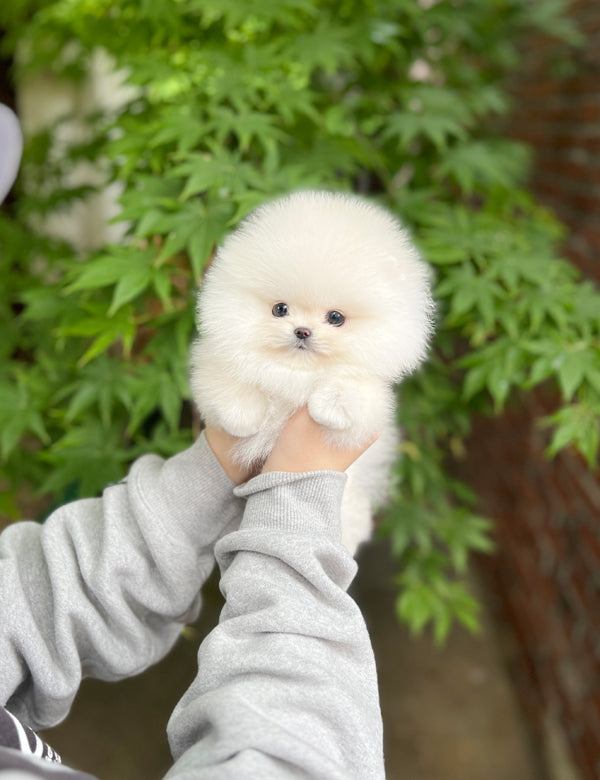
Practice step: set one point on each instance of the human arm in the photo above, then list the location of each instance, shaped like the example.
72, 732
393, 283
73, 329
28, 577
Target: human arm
11, 144
286, 684
105, 585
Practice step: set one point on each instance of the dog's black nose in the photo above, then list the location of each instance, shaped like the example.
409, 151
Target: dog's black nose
302, 333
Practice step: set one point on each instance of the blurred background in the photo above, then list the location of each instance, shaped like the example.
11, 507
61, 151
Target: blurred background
152, 128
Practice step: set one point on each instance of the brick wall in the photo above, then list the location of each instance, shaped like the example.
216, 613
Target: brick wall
546, 573
560, 118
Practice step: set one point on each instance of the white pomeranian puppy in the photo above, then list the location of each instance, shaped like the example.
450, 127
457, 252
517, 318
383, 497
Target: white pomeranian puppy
317, 298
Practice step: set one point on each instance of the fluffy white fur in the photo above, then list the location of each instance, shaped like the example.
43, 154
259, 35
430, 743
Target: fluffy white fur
316, 252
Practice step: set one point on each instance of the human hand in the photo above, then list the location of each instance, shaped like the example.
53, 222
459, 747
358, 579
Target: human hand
222, 443
303, 446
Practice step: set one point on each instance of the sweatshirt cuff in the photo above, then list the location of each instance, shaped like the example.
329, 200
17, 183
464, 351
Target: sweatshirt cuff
300, 503
190, 489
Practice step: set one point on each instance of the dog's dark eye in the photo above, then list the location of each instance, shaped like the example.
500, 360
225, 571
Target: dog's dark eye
335, 318
280, 310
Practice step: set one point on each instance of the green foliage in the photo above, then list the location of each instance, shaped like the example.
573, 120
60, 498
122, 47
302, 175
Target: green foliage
235, 102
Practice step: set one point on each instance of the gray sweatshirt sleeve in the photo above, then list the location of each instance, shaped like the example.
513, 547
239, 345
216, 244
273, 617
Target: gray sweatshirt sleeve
286, 683
105, 585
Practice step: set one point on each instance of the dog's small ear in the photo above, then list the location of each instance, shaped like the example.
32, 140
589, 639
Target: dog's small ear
394, 268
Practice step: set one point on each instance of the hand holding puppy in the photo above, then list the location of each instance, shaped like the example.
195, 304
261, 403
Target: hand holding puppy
300, 447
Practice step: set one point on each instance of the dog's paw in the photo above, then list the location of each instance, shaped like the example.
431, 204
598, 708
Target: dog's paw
246, 419
332, 407
240, 426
